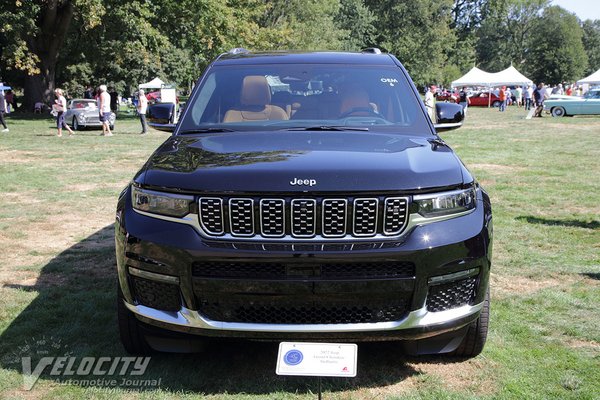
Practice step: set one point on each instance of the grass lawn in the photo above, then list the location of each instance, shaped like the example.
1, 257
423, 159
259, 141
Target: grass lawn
57, 271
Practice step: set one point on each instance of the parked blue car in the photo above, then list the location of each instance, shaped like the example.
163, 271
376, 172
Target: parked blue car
589, 104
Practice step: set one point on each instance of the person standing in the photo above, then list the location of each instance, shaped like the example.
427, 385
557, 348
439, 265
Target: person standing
519, 96
142, 106
464, 100
430, 102
538, 96
502, 98
10, 101
528, 97
104, 110
2, 111
61, 107
89, 93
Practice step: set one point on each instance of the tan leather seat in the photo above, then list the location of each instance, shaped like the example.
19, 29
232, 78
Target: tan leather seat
255, 102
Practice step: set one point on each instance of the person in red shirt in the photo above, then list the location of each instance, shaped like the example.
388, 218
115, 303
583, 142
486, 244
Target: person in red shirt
569, 91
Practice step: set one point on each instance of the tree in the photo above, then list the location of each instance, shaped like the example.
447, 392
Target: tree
418, 33
304, 24
559, 55
356, 20
34, 32
505, 34
591, 44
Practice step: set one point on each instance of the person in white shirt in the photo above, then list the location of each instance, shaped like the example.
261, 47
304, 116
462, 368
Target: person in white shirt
60, 105
430, 102
142, 106
104, 110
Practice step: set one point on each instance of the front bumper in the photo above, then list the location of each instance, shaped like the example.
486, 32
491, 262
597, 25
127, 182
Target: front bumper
167, 251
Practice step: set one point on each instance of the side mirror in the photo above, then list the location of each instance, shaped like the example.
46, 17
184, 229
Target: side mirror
449, 116
161, 116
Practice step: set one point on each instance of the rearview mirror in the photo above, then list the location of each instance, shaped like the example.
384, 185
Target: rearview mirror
449, 116
161, 116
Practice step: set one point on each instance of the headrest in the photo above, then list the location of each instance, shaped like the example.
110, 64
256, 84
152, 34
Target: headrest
255, 91
353, 97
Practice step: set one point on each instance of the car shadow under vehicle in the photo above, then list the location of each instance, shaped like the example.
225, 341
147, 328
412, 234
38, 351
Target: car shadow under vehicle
74, 313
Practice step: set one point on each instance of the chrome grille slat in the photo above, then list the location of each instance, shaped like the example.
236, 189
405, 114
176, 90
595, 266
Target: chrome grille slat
272, 217
304, 215
365, 217
287, 218
241, 217
395, 215
334, 213
211, 215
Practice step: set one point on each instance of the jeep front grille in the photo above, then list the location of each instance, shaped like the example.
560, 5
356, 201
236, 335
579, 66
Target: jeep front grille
303, 218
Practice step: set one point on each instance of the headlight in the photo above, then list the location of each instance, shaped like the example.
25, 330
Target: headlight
173, 205
81, 117
438, 204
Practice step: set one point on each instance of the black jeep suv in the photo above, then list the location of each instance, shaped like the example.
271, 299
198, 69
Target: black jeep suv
305, 196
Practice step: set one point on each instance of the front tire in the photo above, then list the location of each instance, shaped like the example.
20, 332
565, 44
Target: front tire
129, 330
75, 124
496, 104
476, 335
558, 112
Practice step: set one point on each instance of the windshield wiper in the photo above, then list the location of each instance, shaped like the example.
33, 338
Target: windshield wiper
329, 128
206, 130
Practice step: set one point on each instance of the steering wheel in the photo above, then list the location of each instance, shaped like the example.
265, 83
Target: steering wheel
357, 110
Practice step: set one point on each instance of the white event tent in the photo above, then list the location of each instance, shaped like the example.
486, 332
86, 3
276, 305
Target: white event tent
593, 79
155, 83
475, 77
508, 77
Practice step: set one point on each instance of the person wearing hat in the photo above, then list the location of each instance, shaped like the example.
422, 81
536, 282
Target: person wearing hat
430, 102
142, 106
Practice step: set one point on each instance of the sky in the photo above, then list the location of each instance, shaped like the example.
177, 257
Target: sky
584, 9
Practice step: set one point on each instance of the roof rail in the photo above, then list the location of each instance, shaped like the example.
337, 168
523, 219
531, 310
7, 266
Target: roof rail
238, 50
372, 50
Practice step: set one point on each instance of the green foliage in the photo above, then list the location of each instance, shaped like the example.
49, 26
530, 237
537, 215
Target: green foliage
418, 33
356, 20
73, 43
559, 55
505, 34
591, 43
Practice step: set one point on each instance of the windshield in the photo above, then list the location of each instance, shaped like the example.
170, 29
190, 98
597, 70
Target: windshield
292, 96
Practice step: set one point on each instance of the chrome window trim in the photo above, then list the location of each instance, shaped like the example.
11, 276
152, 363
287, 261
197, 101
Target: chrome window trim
261, 218
231, 221
404, 222
314, 206
345, 218
222, 215
354, 216
187, 318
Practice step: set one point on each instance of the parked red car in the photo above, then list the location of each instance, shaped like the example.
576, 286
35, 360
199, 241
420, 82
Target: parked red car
447, 96
481, 99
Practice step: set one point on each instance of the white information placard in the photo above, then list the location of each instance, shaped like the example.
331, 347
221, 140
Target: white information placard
317, 359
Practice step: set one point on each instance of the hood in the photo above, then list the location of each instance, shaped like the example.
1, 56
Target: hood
296, 161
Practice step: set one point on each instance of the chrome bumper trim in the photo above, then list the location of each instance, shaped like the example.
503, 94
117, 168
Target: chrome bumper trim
415, 319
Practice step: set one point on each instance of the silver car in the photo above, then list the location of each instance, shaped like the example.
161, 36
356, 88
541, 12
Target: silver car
83, 113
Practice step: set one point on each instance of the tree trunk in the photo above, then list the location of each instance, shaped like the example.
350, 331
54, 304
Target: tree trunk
53, 26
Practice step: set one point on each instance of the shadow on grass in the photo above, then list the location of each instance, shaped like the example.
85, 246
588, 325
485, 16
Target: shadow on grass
592, 275
75, 315
560, 222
